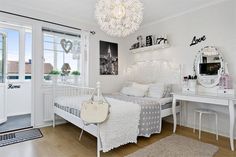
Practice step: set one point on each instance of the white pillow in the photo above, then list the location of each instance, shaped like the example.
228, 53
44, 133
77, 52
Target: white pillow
132, 91
160, 90
156, 91
127, 84
141, 86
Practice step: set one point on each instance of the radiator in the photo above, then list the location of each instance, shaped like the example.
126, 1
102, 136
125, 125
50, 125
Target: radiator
48, 105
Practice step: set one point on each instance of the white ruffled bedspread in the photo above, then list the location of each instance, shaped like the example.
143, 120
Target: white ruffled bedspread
122, 125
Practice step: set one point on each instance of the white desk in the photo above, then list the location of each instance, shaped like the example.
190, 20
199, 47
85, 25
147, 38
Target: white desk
208, 98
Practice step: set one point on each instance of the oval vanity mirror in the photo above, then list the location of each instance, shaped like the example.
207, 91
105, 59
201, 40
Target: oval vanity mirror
208, 66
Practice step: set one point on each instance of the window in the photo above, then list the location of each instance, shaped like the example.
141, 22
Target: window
18, 51
55, 56
28, 54
13, 53
2, 40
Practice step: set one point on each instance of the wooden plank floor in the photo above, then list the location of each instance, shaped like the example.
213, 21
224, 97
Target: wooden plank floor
62, 141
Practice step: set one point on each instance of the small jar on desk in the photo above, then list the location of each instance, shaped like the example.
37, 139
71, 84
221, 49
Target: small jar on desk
189, 84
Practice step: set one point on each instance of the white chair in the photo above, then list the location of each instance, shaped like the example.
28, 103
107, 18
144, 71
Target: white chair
201, 112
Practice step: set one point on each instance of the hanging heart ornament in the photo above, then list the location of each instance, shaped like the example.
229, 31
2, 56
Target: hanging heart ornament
66, 45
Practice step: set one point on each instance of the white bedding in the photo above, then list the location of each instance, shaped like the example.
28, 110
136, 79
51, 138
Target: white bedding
122, 126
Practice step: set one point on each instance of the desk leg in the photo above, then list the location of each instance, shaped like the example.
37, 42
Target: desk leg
174, 113
231, 129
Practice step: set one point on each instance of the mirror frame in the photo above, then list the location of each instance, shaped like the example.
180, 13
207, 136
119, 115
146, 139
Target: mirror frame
196, 67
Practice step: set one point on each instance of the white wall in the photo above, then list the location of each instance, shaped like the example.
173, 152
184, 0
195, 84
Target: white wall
110, 83
217, 22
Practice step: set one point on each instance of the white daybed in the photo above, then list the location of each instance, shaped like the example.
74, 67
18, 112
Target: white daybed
67, 100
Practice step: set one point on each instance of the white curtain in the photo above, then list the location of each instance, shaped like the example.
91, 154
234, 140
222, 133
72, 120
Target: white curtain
85, 57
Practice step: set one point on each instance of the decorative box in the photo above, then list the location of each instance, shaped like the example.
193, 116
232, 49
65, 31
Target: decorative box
226, 82
149, 41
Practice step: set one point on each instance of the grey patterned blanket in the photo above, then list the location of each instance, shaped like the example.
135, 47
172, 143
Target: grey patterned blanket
150, 117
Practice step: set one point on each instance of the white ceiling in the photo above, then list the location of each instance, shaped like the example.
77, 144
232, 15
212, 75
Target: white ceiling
83, 10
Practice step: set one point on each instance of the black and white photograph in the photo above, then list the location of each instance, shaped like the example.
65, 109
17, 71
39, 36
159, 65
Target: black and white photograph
108, 58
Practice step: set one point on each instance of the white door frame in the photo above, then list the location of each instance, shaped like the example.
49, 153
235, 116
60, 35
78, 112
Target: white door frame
21, 22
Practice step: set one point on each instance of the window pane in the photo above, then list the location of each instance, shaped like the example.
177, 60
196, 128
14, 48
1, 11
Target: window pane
48, 53
28, 55
54, 54
13, 41
48, 45
59, 48
48, 38
59, 60
72, 62
1, 59
48, 62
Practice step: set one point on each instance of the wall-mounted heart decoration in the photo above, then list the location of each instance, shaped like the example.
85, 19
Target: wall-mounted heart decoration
66, 45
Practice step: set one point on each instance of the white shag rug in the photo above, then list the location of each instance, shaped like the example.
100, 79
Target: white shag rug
176, 146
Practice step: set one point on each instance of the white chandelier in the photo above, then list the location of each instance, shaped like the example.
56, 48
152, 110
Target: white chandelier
119, 17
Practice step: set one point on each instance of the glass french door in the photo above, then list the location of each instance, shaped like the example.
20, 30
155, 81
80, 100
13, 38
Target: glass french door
15, 72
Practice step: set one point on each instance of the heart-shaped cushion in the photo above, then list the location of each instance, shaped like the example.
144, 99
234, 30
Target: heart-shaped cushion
66, 45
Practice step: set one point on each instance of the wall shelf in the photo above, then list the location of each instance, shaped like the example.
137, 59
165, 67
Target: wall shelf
150, 48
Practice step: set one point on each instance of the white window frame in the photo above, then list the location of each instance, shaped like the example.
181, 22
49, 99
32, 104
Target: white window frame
80, 62
21, 67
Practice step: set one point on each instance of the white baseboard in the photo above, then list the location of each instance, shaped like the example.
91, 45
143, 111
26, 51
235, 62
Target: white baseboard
209, 130
18, 114
48, 124
205, 129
